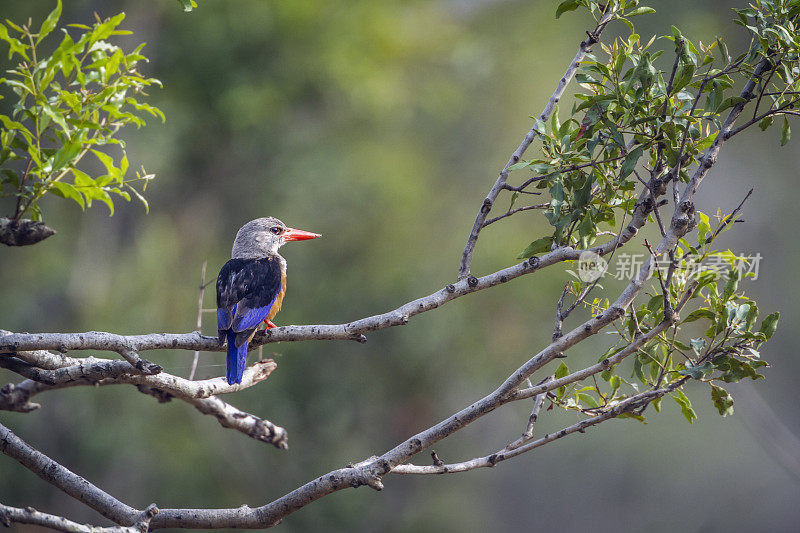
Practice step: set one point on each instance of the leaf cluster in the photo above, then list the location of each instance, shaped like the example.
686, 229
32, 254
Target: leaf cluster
643, 117
648, 115
67, 104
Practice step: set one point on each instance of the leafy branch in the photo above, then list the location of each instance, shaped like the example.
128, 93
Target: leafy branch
67, 105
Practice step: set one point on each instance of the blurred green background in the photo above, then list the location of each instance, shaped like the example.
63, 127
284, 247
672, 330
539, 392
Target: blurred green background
381, 125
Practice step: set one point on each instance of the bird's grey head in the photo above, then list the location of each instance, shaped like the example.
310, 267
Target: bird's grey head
259, 238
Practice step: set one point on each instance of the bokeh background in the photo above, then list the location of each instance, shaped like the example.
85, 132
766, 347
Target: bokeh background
381, 125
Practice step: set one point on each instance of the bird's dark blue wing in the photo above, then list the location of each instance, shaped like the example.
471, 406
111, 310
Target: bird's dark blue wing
245, 318
246, 292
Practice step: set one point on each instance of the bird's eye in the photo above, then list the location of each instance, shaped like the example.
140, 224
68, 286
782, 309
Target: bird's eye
277, 230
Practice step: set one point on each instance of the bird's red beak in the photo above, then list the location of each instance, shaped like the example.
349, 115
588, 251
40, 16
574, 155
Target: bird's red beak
292, 234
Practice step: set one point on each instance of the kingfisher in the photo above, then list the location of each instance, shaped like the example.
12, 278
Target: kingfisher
251, 286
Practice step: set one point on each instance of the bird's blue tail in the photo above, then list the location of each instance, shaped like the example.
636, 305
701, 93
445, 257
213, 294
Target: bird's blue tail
237, 359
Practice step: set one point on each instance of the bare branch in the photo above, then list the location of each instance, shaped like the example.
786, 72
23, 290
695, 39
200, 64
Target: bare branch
559, 324
165, 387
230, 417
106, 371
23, 232
527, 435
67, 481
29, 515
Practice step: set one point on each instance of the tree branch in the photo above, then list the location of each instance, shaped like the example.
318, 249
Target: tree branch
92, 371
69, 482
23, 232
509, 452
29, 515
488, 202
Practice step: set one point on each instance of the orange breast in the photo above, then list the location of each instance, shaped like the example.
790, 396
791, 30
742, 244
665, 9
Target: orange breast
279, 298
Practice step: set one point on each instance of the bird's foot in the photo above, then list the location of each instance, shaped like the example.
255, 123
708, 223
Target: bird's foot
269, 324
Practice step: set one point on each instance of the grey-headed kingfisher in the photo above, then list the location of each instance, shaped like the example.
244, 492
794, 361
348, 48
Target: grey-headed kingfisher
250, 287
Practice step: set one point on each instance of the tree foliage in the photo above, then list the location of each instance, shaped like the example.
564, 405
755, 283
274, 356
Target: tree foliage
70, 104
642, 118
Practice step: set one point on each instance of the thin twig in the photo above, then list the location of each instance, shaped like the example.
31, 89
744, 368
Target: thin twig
199, 317
732, 217
514, 211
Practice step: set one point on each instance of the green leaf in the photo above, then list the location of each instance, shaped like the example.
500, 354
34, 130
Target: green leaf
49, 23
99, 194
65, 190
586, 399
83, 180
730, 102
65, 155
697, 314
555, 123
57, 117
722, 400
633, 416
587, 230
615, 383
786, 132
686, 406
615, 134
698, 345
697, 372
141, 199
656, 304
703, 228
108, 162
657, 404
770, 324
740, 316
752, 315
561, 371
629, 163
731, 285
735, 370
112, 66
16, 126
637, 370
583, 195
105, 29
567, 5
14, 45
539, 246
640, 11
